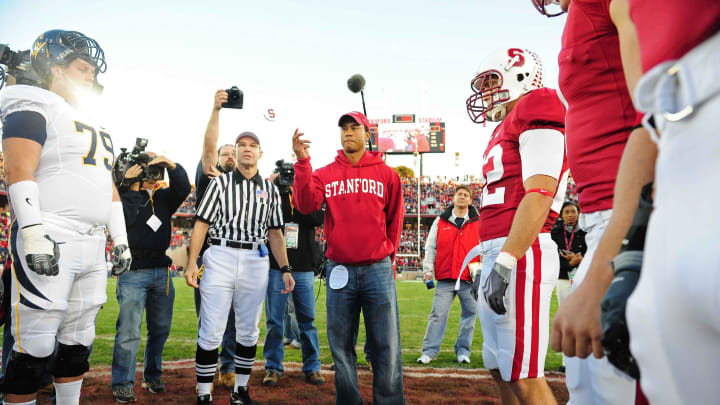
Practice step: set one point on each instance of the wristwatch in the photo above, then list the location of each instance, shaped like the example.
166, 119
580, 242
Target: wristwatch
286, 269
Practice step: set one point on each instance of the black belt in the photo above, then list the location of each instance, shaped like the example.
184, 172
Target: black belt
233, 244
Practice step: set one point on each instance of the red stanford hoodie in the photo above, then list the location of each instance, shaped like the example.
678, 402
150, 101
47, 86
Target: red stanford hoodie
364, 211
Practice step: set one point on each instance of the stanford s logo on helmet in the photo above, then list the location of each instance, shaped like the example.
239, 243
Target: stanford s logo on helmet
503, 76
59, 47
543, 6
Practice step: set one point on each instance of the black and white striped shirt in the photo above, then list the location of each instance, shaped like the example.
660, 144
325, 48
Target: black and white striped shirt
240, 209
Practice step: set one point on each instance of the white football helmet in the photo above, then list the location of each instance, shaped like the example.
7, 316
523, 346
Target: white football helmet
549, 8
503, 76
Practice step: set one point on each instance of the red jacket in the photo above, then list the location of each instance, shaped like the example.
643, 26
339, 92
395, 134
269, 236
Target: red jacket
364, 211
453, 243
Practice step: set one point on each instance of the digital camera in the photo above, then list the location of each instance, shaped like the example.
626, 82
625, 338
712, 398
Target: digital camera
235, 98
286, 175
135, 157
18, 65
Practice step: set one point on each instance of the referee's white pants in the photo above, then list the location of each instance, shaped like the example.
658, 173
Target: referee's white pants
233, 279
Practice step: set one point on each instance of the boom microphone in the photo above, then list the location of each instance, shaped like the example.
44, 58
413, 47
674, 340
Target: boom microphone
356, 83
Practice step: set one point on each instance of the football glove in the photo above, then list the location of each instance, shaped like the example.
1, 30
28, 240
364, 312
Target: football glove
121, 256
615, 337
495, 287
41, 251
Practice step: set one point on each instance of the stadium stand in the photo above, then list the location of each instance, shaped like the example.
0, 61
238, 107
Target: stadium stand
435, 194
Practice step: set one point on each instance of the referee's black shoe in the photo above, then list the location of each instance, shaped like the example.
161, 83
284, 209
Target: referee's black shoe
241, 397
204, 399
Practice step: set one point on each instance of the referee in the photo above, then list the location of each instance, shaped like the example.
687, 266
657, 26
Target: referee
242, 213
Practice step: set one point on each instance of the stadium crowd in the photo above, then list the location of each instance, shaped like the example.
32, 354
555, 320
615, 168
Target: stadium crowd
435, 193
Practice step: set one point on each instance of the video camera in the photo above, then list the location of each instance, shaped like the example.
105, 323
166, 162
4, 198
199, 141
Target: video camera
235, 98
135, 157
19, 65
286, 175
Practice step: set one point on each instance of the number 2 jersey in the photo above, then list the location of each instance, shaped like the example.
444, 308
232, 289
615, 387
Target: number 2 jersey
529, 141
74, 171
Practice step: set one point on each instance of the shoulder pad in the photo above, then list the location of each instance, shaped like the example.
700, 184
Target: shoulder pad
26, 98
542, 108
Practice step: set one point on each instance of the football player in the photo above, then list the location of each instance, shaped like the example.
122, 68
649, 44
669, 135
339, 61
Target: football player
673, 313
525, 176
610, 157
58, 164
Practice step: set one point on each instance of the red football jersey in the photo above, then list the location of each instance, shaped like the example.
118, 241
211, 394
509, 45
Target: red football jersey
600, 113
503, 169
685, 24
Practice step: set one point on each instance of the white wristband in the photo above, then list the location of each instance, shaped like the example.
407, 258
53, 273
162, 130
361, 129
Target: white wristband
25, 200
116, 226
506, 259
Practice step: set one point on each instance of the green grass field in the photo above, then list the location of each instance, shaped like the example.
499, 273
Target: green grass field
414, 300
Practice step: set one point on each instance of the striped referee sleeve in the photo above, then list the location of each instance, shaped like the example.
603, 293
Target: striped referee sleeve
207, 210
276, 215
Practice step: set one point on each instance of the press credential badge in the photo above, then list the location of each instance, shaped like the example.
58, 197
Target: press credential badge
291, 235
154, 223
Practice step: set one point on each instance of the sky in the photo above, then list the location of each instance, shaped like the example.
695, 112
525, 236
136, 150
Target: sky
166, 59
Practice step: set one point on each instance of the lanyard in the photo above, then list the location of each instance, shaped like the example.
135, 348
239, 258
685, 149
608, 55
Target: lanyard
568, 245
292, 207
152, 203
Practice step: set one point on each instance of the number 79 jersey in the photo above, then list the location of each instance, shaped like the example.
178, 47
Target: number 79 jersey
74, 171
529, 141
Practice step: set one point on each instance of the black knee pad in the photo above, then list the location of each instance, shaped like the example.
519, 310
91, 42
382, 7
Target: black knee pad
71, 361
23, 373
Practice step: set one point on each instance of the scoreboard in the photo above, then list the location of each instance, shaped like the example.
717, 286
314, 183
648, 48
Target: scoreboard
405, 134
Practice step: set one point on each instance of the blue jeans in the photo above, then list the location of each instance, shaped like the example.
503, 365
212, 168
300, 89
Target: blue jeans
290, 323
152, 291
370, 289
437, 323
275, 303
227, 348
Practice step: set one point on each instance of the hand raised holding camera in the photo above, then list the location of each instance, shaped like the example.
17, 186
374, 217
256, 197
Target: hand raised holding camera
300, 146
133, 172
162, 161
131, 177
221, 97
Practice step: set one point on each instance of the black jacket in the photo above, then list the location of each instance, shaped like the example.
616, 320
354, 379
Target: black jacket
148, 247
308, 255
559, 235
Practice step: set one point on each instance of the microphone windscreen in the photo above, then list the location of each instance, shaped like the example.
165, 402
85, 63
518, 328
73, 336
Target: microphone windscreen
356, 83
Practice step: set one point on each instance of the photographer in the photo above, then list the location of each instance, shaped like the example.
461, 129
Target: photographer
147, 286
305, 255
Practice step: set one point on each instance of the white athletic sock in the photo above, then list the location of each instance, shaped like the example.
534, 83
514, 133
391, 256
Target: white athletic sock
20, 403
241, 380
68, 393
205, 388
